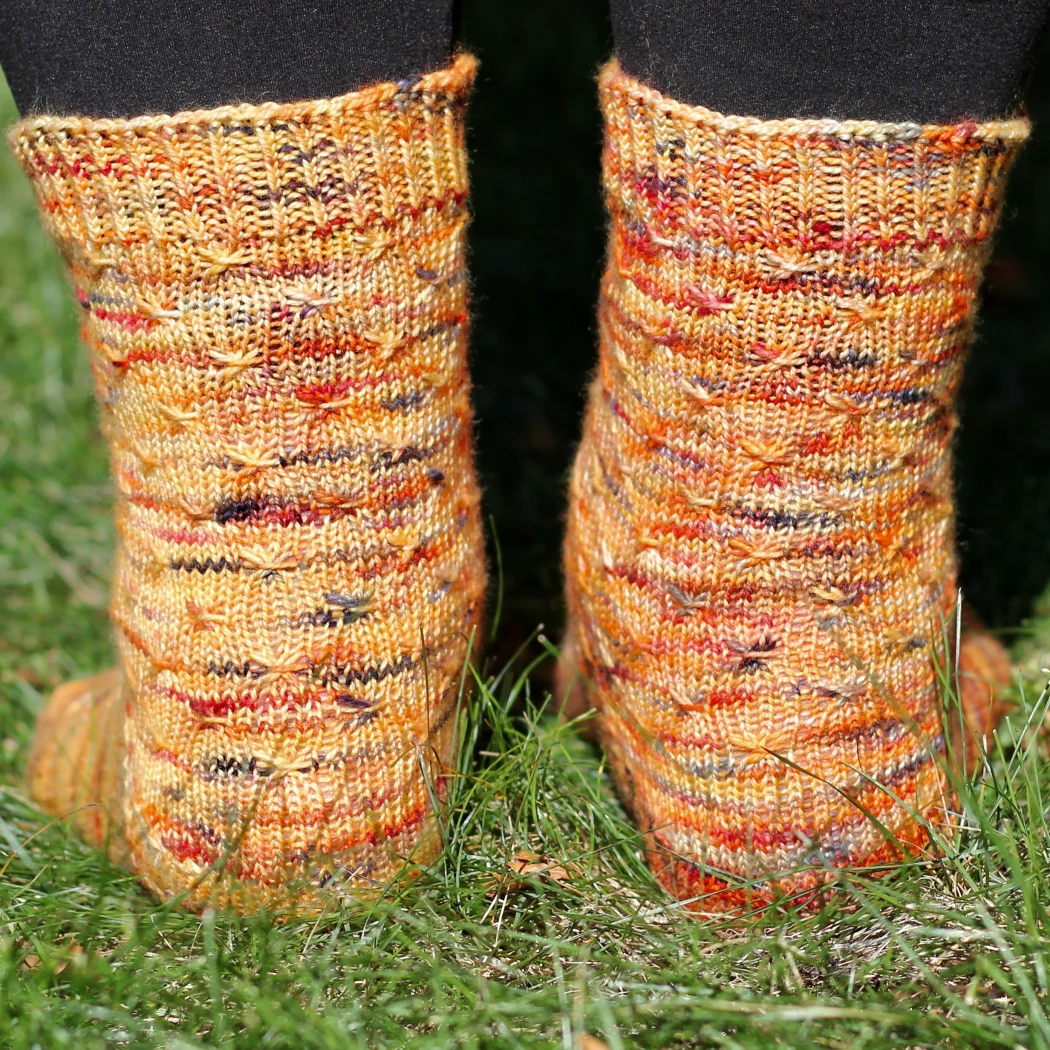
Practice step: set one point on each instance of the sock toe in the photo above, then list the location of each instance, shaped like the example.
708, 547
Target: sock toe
984, 677
75, 768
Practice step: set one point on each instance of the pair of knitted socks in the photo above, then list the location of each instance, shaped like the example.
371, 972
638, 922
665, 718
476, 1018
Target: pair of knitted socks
759, 559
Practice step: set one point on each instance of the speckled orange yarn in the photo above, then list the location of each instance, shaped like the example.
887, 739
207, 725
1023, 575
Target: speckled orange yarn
760, 546
275, 307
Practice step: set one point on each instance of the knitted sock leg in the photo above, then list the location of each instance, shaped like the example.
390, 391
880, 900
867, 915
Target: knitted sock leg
760, 554
275, 307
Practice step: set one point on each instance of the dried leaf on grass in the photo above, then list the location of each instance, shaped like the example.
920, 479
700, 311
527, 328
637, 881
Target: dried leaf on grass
525, 865
590, 1042
65, 954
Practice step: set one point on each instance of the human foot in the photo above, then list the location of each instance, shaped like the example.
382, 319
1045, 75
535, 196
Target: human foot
760, 551
275, 307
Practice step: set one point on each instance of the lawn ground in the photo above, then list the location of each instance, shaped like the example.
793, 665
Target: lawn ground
949, 952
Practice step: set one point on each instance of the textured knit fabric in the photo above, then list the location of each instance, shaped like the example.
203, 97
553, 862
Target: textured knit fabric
760, 544
274, 303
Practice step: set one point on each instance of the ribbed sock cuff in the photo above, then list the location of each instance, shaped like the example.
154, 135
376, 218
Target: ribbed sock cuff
811, 184
237, 179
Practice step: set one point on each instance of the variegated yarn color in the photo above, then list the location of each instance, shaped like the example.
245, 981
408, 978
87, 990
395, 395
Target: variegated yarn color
760, 549
275, 305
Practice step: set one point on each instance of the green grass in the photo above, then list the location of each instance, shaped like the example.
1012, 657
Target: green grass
949, 952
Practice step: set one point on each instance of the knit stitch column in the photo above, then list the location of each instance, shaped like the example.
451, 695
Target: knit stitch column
275, 306
760, 557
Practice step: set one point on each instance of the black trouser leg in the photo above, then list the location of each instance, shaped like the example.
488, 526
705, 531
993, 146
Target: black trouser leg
929, 61
121, 57
925, 60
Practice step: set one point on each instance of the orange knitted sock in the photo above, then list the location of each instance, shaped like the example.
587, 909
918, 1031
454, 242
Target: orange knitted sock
275, 307
760, 552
